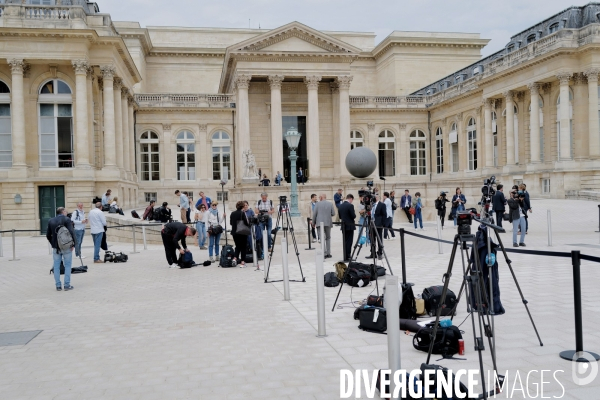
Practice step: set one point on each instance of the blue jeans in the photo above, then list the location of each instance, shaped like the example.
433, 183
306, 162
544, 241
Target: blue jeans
389, 224
201, 228
516, 224
269, 229
213, 243
66, 258
78, 239
97, 237
418, 216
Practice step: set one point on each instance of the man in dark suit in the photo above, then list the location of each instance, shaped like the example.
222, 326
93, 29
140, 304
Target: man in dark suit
405, 204
348, 217
379, 215
498, 204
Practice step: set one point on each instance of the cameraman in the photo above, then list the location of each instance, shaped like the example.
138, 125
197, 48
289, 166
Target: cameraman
498, 204
516, 205
265, 206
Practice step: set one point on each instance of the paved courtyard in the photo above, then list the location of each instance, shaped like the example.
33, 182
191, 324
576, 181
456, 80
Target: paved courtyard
140, 330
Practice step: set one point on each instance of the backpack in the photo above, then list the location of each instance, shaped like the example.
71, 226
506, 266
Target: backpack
433, 296
408, 308
340, 270
186, 260
372, 319
331, 279
270, 203
438, 204
358, 277
156, 214
227, 257
112, 210
134, 214
446, 340
64, 240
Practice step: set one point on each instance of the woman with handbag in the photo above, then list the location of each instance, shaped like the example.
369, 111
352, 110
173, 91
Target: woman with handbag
240, 229
201, 216
458, 203
215, 230
417, 205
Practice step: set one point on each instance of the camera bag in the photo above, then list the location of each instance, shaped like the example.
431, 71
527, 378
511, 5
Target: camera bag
433, 296
227, 256
445, 343
134, 214
408, 307
376, 301
340, 270
372, 319
331, 279
357, 277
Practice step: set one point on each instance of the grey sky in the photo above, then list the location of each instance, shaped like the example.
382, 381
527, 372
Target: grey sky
497, 20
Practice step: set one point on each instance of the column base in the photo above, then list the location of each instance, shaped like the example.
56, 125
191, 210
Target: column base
18, 172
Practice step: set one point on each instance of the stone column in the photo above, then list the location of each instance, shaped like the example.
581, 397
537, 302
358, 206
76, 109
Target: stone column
82, 156
108, 73
510, 131
344, 87
131, 121
276, 125
242, 83
489, 139
90, 112
402, 152
117, 84
335, 117
593, 128
534, 123
125, 127
19, 152
313, 146
564, 117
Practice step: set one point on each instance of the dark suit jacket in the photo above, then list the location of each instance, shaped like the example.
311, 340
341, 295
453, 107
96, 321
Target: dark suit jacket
380, 214
498, 201
347, 215
403, 201
177, 231
55, 223
527, 202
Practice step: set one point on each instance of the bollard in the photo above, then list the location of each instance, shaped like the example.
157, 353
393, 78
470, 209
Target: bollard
392, 300
265, 248
320, 293
549, 230
598, 219
309, 232
1, 248
133, 230
439, 233
286, 275
144, 237
14, 247
578, 355
322, 230
254, 256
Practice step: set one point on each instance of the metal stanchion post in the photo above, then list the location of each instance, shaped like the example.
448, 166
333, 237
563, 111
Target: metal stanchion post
322, 230
598, 219
133, 230
265, 253
320, 293
308, 223
439, 234
549, 229
402, 256
144, 237
392, 300
14, 247
286, 275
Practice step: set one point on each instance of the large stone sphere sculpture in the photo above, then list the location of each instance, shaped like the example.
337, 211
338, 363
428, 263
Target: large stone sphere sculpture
361, 162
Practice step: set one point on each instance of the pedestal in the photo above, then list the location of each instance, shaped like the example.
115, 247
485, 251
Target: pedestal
250, 180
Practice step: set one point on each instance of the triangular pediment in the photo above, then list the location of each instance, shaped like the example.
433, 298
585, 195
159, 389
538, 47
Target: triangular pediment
294, 44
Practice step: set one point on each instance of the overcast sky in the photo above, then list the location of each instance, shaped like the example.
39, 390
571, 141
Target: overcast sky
495, 20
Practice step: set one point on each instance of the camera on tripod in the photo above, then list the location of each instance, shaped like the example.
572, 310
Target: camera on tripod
261, 218
488, 190
367, 198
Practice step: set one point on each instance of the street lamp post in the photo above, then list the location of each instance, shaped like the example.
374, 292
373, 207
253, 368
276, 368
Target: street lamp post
292, 137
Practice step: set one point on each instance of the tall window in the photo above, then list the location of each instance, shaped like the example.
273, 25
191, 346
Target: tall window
541, 113
221, 154
453, 141
515, 130
570, 124
531, 38
56, 125
472, 144
387, 154
149, 156
553, 28
356, 140
495, 137
418, 164
186, 156
439, 151
5, 127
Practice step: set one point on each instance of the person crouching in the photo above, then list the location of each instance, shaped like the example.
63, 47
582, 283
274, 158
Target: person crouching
172, 233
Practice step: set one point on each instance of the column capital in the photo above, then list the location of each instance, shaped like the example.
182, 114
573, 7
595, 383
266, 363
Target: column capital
333, 86
534, 88
592, 74
17, 66
166, 127
546, 87
81, 67
275, 81
371, 127
242, 81
90, 74
488, 103
579, 78
508, 95
108, 71
344, 81
117, 83
125, 92
312, 82
131, 101
564, 77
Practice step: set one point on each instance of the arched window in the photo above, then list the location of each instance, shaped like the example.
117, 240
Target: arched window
541, 113
515, 130
221, 153
418, 163
510, 48
553, 28
149, 156
472, 144
356, 140
453, 141
387, 153
186, 156
570, 124
55, 125
439, 151
5, 127
495, 137
531, 38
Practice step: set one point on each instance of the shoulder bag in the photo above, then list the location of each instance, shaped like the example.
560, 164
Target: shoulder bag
241, 228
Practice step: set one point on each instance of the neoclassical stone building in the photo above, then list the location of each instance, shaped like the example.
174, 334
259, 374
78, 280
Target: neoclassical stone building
87, 103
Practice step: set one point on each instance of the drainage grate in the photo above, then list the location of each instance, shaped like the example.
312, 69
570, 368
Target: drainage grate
17, 338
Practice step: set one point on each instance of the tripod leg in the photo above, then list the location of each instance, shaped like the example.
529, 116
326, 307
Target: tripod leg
380, 242
509, 262
291, 229
272, 245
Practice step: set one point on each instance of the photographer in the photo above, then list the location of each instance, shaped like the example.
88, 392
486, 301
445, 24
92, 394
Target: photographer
498, 204
257, 232
379, 215
240, 238
440, 206
265, 206
523, 188
214, 229
458, 203
171, 234
516, 205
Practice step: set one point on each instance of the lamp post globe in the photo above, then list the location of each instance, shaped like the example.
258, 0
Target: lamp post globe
292, 137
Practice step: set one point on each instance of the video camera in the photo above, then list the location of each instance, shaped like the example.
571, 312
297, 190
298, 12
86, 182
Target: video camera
261, 218
488, 190
367, 198
464, 220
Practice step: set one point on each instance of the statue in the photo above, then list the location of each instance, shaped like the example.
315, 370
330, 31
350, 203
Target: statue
250, 164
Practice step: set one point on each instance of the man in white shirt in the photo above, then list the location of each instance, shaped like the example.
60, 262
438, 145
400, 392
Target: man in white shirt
390, 217
97, 223
79, 222
184, 204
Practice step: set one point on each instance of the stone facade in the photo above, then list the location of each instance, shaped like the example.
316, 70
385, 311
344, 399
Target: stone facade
150, 110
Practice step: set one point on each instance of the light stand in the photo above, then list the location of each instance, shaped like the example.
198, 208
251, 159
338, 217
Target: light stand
292, 137
383, 179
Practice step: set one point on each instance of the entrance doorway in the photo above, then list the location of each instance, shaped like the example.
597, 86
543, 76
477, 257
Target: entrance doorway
51, 197
302, 161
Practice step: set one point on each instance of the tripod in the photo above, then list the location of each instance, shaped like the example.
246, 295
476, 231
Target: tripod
368, 225
283, 215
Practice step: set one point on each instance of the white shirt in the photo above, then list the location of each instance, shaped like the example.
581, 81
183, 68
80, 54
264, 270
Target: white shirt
114, 204
97, 221
202, 217
77, 216
388, 207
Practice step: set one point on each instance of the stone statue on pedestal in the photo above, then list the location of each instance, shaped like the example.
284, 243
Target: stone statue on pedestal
249, 165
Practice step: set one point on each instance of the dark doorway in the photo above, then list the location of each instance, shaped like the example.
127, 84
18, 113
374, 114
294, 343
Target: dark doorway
51, 197
300, 124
